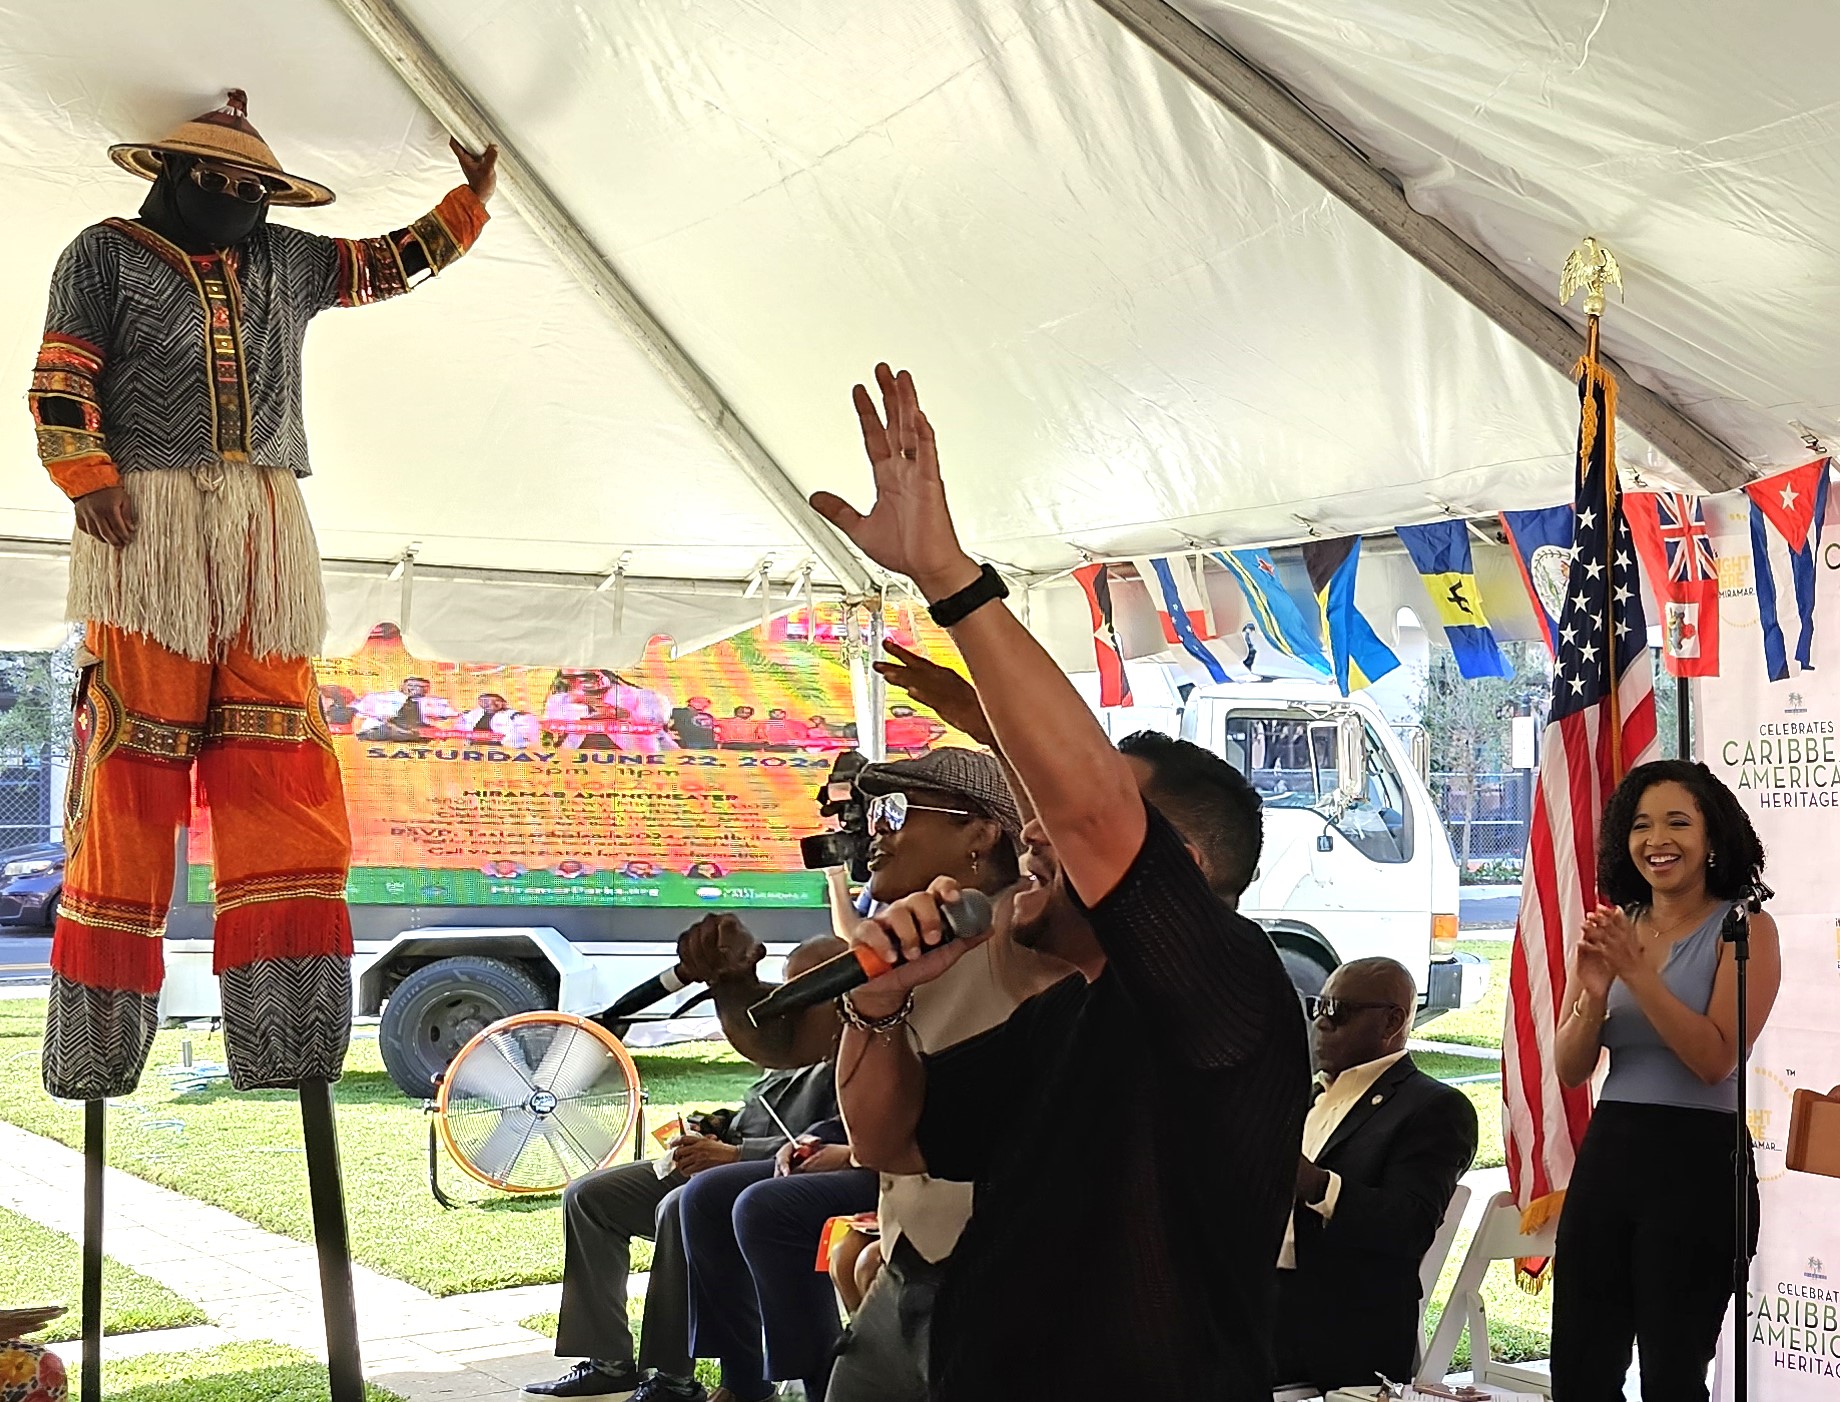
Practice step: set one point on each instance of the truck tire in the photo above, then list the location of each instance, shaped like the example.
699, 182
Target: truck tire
440, 1007
1307, 973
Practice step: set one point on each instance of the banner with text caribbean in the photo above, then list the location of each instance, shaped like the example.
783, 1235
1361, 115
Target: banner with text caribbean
678, 782
1777, 744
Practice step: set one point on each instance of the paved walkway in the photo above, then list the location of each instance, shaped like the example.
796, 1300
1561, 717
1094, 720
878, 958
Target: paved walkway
259, 1286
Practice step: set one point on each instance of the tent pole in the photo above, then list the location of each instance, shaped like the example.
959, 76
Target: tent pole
1276, 115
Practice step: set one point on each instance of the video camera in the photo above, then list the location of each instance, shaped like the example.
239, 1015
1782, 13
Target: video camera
845, 843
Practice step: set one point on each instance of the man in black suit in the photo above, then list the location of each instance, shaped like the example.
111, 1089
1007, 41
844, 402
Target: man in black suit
1383, 1147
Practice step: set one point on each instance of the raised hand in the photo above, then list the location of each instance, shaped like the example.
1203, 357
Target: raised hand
719, 947
940, 689
481, 171
909, 528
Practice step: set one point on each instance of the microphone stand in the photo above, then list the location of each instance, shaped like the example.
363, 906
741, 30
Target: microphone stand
1736, 931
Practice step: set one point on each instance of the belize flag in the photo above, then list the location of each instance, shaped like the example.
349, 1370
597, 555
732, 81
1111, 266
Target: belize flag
1542, 542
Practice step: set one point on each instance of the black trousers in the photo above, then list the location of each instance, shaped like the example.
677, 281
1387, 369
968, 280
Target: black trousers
1645, 1252
601, 1214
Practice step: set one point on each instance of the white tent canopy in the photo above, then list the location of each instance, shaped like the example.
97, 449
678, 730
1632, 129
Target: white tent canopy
1135, 324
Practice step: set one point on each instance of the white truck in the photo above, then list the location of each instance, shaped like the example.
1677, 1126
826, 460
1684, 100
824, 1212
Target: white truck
1355, 863
1356, 860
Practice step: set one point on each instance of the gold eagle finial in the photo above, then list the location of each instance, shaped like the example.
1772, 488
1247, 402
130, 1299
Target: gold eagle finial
1593, 268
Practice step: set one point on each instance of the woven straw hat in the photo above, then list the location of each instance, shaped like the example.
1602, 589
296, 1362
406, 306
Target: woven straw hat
224, 135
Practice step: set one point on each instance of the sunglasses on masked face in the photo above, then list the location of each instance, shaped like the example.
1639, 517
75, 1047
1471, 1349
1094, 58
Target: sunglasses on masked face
1336, 1011
246, 188
888, 811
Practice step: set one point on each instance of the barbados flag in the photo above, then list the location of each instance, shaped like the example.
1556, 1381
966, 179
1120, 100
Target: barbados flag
1360, 658
1276, 613
1440, 553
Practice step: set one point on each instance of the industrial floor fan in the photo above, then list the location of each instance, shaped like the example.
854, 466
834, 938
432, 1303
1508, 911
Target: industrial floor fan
535, 1101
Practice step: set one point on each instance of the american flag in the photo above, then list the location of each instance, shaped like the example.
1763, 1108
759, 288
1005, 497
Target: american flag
1602, 724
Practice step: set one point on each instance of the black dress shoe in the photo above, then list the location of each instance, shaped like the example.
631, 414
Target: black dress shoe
585, 1379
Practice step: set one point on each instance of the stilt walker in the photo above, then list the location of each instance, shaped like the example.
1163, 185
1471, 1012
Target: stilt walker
167, 398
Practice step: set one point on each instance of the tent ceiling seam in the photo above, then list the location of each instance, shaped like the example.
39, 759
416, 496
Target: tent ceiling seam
389, 31
1288, 125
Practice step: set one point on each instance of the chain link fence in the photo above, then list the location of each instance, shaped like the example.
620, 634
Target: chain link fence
1486, 815
29, 805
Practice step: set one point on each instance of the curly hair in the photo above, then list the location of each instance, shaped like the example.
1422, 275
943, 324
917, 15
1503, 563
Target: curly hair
1734, 853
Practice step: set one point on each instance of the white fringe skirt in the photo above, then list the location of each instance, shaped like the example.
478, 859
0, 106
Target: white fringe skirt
221, 557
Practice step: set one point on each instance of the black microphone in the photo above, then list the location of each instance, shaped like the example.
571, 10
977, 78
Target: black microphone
653, 990
967, 917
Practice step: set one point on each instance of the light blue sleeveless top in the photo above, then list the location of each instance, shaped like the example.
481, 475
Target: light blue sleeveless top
1643, 1069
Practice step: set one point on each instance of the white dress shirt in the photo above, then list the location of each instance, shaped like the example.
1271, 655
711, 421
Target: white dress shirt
1339, 1096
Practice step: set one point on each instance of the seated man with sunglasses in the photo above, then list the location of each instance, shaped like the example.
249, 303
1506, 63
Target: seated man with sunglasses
1383, 1147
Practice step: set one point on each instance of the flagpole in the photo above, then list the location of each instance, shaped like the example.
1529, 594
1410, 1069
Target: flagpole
1593, 269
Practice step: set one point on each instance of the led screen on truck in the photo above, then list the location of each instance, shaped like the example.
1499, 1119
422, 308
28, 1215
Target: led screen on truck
674, 783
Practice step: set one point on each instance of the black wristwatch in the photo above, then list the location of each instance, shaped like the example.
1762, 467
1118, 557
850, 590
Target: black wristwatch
955, 608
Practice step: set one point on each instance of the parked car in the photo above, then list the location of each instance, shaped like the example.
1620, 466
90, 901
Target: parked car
31, 883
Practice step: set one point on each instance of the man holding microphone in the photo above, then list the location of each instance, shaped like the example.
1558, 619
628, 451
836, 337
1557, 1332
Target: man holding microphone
1100, 1254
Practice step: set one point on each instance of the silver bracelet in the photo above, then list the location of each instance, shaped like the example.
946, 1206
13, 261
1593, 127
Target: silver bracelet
876, 1025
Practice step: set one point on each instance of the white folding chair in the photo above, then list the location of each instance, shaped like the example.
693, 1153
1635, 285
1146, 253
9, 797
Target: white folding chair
1432, 1267
1498, 1238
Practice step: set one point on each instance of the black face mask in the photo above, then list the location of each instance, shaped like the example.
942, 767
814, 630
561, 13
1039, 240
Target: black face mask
197, 221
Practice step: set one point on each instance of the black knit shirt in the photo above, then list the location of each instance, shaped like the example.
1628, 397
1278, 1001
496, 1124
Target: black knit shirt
1134, 1144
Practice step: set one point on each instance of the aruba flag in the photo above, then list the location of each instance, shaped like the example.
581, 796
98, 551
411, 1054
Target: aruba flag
1440, 553
1273, 609
1360, 658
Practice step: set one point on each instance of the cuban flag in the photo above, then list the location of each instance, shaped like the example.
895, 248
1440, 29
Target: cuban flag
1786, 512
1182, 608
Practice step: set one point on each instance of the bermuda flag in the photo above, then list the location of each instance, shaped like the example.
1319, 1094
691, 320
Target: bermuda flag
1786, 512
1678, 558
1114, 685
1182, 608
1602, 725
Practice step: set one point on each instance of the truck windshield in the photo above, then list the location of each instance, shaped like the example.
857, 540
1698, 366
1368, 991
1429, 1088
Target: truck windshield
1291, 761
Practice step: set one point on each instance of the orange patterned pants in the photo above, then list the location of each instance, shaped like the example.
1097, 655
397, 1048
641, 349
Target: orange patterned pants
248, 731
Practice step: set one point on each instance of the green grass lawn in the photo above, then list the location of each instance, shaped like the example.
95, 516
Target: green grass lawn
243, 1153
1481, 1025
41, 1267
229, 1373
